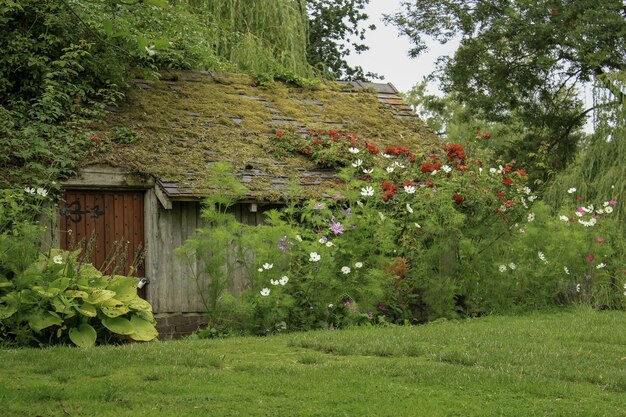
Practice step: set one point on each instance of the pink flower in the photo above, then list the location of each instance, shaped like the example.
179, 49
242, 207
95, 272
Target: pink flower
600, 239
336, 228
612, 202
580, 210
591, 257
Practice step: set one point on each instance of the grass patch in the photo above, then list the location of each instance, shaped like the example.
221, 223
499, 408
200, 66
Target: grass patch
562, 364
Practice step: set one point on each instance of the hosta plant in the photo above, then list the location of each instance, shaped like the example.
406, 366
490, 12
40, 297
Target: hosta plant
58, 300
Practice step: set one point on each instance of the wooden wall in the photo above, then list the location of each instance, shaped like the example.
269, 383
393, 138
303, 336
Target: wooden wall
171, 289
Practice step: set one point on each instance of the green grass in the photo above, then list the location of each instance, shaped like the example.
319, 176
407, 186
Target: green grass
561, 364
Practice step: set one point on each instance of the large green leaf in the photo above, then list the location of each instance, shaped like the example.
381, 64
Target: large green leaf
140, 304
118, 325
115, 311
144, 330
99, 296
125, 287
87, 309
7, 311
59, 284
41, 320
84, 336
76, 294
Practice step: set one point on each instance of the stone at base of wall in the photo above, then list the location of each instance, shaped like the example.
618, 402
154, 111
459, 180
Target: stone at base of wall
174, 326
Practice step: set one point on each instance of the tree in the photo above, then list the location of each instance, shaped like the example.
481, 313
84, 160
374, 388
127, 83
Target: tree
524, 59
332, 26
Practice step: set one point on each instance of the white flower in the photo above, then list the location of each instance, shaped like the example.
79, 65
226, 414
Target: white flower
260, 269
368, 171
29, 190
480, 170
268, 266
600, 211
502, 268
150, 50
577, 287
398, 164
299, 238
542, 257
523, 200
330, 306
58, 259
417, 225
42, 192
389, 169
522, 230
446, 169
527, 190
329, 244
323, 240
492, 170
357, 163
566, 269
571, 190
367, 191
564, 218
531, 217
408, 208
345, 270
608, 209
409, 189
601, 265
283, 280
314, 257
385, 155
274, 281
579, 214
353, 150
265, 292
360, 265
512, 266
532, 198
434, 172
588, 209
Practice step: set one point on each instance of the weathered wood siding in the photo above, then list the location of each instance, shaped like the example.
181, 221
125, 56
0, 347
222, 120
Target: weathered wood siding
171, 289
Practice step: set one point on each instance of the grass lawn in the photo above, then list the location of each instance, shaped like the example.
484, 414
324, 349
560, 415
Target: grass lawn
570, 363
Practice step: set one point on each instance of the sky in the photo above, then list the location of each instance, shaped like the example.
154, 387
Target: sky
388, 53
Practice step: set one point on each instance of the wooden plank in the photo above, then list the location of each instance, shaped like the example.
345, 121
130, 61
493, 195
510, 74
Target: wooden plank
109, 228
100, 249
152, 262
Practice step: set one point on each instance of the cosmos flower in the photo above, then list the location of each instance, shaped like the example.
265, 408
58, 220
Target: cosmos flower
29, 190
268, 266
572, 190
409, 189
283, 280
367, 191
360, 265
58, 259
314, 257
502, 268
357, 163
353, 150
345, 270
265, 292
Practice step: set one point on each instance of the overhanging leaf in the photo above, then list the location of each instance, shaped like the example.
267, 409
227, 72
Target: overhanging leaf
42, 320
144, 330
83, 336
99, 296
118, 325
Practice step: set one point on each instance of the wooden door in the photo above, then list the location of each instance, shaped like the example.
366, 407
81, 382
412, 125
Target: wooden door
108, 226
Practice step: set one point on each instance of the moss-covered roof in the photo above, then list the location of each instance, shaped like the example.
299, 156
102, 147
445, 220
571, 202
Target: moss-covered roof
188, 122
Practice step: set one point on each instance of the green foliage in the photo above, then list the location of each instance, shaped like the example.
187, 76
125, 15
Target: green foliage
57, 299
334, 27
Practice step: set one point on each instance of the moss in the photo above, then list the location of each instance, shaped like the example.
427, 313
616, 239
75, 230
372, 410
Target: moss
192, 119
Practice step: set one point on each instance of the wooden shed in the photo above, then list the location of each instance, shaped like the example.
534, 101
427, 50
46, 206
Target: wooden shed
141, 196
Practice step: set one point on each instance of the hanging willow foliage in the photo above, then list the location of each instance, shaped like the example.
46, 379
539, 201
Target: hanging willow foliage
599, 171
257, 36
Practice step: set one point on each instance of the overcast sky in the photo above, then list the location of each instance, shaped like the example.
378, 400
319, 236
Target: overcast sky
388, 53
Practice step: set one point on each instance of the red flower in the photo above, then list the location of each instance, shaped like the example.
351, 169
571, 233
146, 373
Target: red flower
507, 182
510, 203
458, 199
487, 135
521, 172
500, 194
591, 257
372, 148
389, 190
95, 138
279, 133
507, 169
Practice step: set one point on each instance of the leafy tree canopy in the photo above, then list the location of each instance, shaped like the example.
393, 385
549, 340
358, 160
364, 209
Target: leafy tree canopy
334, 28
524, 59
